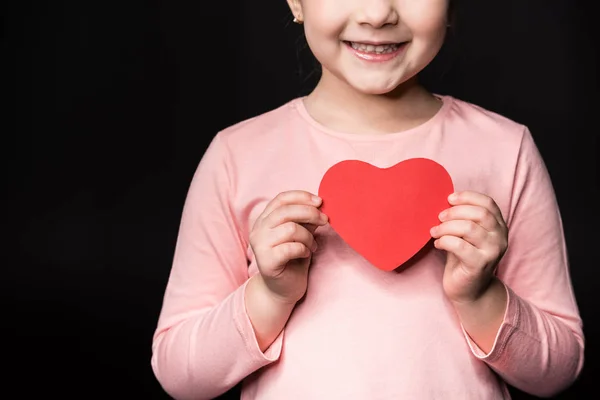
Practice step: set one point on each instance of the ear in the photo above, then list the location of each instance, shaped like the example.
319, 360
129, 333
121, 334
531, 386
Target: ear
296, 9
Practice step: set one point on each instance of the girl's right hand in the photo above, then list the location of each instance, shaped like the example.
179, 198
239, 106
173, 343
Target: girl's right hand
282, 241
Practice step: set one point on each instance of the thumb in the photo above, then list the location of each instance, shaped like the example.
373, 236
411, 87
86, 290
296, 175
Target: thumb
451, 258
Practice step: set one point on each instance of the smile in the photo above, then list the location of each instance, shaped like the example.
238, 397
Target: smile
376, 52
375, 49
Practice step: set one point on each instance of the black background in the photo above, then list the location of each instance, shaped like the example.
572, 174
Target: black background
109, 106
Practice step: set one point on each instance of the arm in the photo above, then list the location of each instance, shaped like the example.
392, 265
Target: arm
526, 326
482, 318
205, 343
267, 314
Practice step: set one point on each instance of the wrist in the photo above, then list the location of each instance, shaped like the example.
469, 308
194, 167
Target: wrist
270, 299
267, 315
474, 295
483, 316
493, 293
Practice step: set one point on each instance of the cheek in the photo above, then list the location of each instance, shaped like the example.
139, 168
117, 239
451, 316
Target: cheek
323, 37
426, 19
324, 22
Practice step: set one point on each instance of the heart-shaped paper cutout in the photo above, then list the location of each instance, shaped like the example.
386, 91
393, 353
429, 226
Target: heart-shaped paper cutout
385, 214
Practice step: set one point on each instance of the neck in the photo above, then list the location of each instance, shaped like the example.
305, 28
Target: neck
337, 105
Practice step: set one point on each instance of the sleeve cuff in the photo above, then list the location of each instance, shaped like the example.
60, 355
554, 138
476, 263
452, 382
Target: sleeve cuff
245, 329
507, 328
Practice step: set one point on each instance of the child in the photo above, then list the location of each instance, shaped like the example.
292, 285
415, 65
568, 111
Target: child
263, 290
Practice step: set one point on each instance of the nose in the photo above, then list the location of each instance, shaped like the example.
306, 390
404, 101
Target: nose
377, 13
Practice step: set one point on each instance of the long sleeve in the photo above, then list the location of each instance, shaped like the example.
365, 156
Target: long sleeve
539, 346
204, 343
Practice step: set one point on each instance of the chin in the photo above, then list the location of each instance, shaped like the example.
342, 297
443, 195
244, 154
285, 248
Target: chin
375, 88
375, 91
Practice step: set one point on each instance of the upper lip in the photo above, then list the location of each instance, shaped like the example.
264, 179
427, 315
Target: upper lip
375, 43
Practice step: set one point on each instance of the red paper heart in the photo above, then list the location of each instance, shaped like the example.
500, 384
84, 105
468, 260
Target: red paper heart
385, 214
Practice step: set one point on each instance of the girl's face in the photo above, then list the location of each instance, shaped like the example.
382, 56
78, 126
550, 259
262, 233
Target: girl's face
373, 45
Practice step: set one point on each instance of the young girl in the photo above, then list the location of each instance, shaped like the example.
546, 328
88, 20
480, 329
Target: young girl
264, 291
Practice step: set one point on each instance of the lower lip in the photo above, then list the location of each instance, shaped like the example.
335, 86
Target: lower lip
374, 57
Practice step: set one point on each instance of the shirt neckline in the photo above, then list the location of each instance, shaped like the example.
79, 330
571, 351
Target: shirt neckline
299, 105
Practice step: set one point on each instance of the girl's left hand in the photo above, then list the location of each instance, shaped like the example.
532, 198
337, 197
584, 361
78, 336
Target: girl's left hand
475, 237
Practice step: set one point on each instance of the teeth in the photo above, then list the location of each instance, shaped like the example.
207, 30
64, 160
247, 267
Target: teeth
369, 48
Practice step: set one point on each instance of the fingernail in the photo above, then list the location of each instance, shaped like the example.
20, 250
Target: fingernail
443, 215
316, 199
324, 217
433, 230
453, 197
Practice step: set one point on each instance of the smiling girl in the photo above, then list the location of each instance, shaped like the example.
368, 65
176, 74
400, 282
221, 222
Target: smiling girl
263, 291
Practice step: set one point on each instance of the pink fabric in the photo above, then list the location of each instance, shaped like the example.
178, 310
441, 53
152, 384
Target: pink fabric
362, 333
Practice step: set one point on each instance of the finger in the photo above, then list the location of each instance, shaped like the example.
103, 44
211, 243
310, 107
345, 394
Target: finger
470, 231
311, 227
477, 214
290, 197
477, 199
293, 232
295, 213
286, 252
464, 251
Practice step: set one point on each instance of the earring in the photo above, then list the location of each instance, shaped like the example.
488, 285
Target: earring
297, 21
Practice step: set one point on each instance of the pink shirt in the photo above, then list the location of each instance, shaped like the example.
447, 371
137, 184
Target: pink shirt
362, 333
